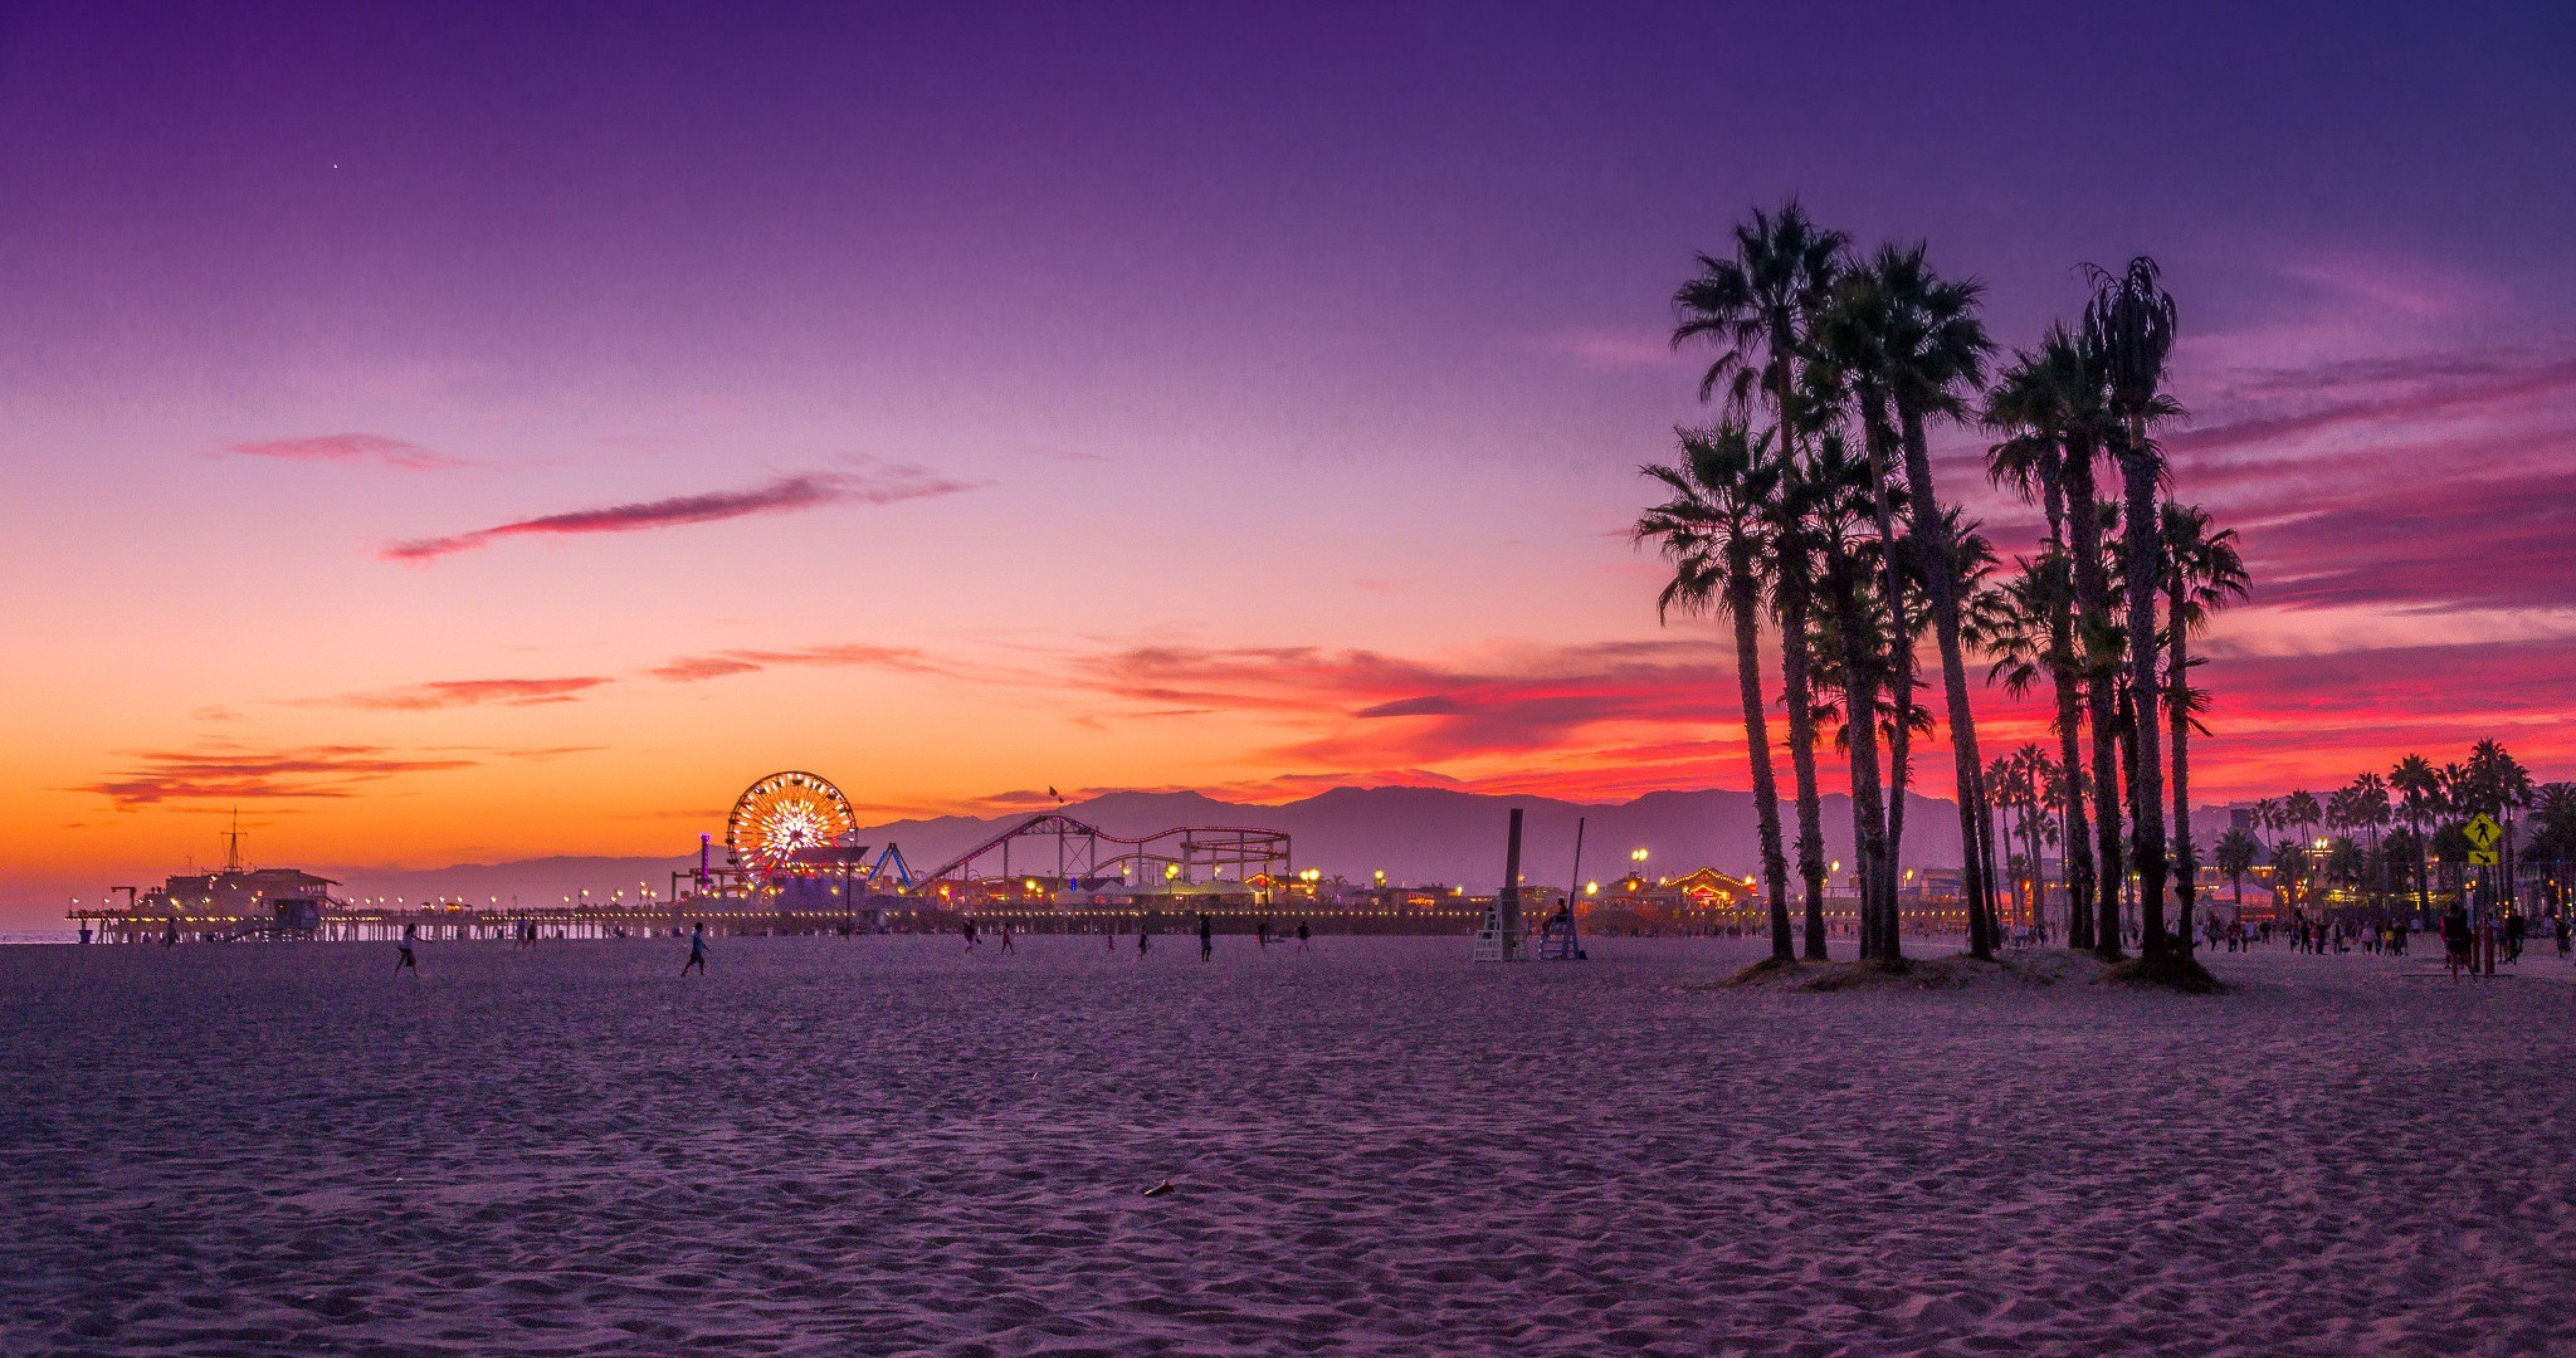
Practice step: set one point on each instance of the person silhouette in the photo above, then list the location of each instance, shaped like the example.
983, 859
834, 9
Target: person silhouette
697, 950
1207, 936
403, 959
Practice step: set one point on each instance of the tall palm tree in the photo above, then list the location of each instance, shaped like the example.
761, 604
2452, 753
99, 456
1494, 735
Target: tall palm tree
2130, 324
1757, 307
1712, 529
1793, 597
2204, 572
2068, 379
1837, 485
2025, 404
2418, 788
1914, 339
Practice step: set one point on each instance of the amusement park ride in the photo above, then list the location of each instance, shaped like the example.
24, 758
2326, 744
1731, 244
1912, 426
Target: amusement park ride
791, 850
792, 864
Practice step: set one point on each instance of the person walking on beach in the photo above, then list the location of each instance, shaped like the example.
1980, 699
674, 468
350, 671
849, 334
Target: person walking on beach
403, 959
2559, 930
966, 930
170, 935
697, 951
1207, 936
1006, 938
1303, 934
2456, 938
1261, 932
1144, 940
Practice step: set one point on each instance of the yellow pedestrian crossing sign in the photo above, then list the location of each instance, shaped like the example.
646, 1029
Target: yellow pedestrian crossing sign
2482, 833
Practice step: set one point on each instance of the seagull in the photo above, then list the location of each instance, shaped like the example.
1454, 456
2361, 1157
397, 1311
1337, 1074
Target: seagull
1059, 797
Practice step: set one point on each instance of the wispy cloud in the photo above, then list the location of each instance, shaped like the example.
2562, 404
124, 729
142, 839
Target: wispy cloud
691, 669
231, 772
448, 693
787, 494
1365, 709
1617, 349
377, 449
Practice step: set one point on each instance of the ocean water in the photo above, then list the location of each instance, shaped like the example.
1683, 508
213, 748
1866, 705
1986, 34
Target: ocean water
8, 936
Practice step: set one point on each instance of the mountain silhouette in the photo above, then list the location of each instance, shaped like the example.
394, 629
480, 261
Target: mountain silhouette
1417, 836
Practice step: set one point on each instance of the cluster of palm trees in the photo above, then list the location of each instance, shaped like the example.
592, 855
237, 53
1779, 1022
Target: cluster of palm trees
1807, 512
2381, 835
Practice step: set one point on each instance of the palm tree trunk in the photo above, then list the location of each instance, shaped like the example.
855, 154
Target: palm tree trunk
2035, 820
1941, 582
1869, 810
2186, 868
2074, 832
2084, 518
1757, 741
2145, 551
2423, 855
1900, 646
2129, 772
1792, 594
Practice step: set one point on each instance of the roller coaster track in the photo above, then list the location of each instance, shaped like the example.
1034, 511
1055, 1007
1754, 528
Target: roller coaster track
1185, 847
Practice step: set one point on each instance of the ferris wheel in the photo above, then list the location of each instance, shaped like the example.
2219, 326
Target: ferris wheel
783, 814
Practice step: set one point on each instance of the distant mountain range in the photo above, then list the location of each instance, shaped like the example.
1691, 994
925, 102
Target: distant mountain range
1415, 835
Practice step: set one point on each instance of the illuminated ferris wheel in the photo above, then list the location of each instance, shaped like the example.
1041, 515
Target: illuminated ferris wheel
783, 814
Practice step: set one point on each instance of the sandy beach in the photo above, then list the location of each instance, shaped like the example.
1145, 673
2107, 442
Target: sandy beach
837, 1146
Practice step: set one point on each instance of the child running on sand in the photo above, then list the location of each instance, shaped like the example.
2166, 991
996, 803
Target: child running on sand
697, 951
403, 960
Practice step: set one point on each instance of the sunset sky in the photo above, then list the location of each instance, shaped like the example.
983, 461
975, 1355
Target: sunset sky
468, 432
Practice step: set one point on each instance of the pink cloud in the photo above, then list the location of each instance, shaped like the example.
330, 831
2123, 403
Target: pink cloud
696, 668
787, 494
448, 693
373, 448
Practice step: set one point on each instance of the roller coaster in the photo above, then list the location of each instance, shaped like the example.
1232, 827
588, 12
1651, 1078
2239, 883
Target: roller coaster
793, 835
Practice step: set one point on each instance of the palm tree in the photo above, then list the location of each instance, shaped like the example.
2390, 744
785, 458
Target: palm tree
2026, 405
1836, 484
1793, 595
2019, 626
2235, 853
2418, 790
2507, 788
2366, 807
2065, 379
2553, 836
1913, 340
2130, 325
1757, 308
1711, 530
2204, 572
